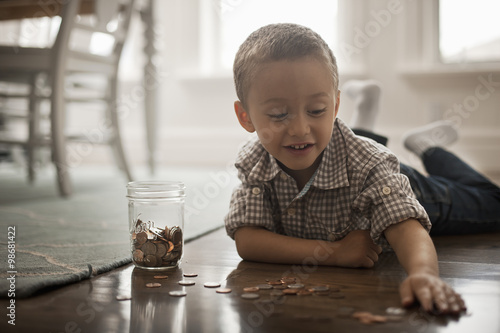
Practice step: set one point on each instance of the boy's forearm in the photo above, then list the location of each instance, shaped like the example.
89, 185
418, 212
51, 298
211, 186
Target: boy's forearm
413, 247
258, 244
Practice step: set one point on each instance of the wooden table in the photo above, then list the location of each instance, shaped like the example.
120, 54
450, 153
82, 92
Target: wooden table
22, 9
471, 264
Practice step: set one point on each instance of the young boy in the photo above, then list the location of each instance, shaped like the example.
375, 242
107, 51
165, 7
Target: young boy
310, 187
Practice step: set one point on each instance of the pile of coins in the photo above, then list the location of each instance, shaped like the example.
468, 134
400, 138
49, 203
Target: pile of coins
156, 247
183, 282
290, 286
283, 287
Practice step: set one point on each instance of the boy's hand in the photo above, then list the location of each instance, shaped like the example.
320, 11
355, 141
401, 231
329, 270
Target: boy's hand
433, 294
357, 249
416, 253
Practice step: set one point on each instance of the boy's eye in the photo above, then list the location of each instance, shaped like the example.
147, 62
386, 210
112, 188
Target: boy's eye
279, 116
317, 112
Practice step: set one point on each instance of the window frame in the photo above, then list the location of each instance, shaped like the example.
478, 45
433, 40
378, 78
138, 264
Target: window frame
205, 39
418, 45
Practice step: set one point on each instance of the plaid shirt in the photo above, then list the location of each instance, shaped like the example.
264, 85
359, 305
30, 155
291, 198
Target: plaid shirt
357, 186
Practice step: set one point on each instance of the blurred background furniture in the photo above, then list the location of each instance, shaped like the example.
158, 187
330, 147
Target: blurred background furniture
81, 67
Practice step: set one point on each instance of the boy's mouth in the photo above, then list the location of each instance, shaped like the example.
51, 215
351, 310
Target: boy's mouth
300, 147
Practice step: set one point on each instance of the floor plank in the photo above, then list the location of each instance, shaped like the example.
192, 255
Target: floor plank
469, 263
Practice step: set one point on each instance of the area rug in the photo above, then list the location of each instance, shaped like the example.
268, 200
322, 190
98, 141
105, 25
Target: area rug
56, 241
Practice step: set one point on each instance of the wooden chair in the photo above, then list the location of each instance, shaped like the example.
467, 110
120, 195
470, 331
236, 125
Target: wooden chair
71, 71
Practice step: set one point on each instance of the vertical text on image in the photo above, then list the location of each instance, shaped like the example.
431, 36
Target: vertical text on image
11, 273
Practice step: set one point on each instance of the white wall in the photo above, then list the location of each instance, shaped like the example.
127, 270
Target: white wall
197, 122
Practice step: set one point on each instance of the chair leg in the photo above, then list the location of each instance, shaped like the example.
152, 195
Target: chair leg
57, 114
57, 120
33, 131
150, 84
116, 136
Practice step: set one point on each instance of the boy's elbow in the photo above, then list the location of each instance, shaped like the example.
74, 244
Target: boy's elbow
242, 252
244, 247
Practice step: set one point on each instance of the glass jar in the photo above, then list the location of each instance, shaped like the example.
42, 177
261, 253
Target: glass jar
156, 223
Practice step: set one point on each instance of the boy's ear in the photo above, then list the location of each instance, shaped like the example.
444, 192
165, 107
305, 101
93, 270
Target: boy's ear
243, 117
337, 104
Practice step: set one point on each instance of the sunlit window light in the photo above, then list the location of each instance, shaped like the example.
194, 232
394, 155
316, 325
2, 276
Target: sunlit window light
239, 18
469, 31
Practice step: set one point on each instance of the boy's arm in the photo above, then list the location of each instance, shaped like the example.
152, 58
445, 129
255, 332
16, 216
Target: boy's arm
258, 244
416, 253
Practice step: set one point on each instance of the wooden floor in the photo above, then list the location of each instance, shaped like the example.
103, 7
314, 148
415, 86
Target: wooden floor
471, 264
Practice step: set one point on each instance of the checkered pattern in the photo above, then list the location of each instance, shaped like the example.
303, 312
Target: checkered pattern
357, 186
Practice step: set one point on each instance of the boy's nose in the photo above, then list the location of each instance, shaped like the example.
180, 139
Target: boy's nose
298, 126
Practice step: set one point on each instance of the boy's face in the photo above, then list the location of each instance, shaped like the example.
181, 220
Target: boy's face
292, 106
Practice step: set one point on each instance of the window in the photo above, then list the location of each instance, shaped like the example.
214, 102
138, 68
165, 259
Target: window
238, 18
469, 31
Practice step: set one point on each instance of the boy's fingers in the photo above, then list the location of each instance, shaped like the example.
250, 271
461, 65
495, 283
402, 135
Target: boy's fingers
425, 298
455, 302
461, 303
366, 262
442, 300
373, 256
376, 248
406, 293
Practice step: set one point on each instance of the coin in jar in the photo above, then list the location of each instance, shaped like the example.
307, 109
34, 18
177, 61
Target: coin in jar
162, 277
138, 256
150, 260
169, 256
211, 284
157, 231
175, 235
161, 250
153, 285
250, 289
141, 238
148, 248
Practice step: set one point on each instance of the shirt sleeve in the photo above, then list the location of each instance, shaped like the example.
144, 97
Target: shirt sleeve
388, 199
249, 207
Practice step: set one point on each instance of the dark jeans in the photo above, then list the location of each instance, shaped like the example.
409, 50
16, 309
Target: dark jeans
457, 198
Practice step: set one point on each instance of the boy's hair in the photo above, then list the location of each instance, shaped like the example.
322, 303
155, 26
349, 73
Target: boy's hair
274, 42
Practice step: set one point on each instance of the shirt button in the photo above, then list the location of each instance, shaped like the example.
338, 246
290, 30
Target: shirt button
256, 190
283, 176
291, 211
386, 190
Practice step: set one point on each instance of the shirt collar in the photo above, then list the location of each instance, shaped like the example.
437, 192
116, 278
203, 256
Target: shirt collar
265, 169
256, 162
332, 172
